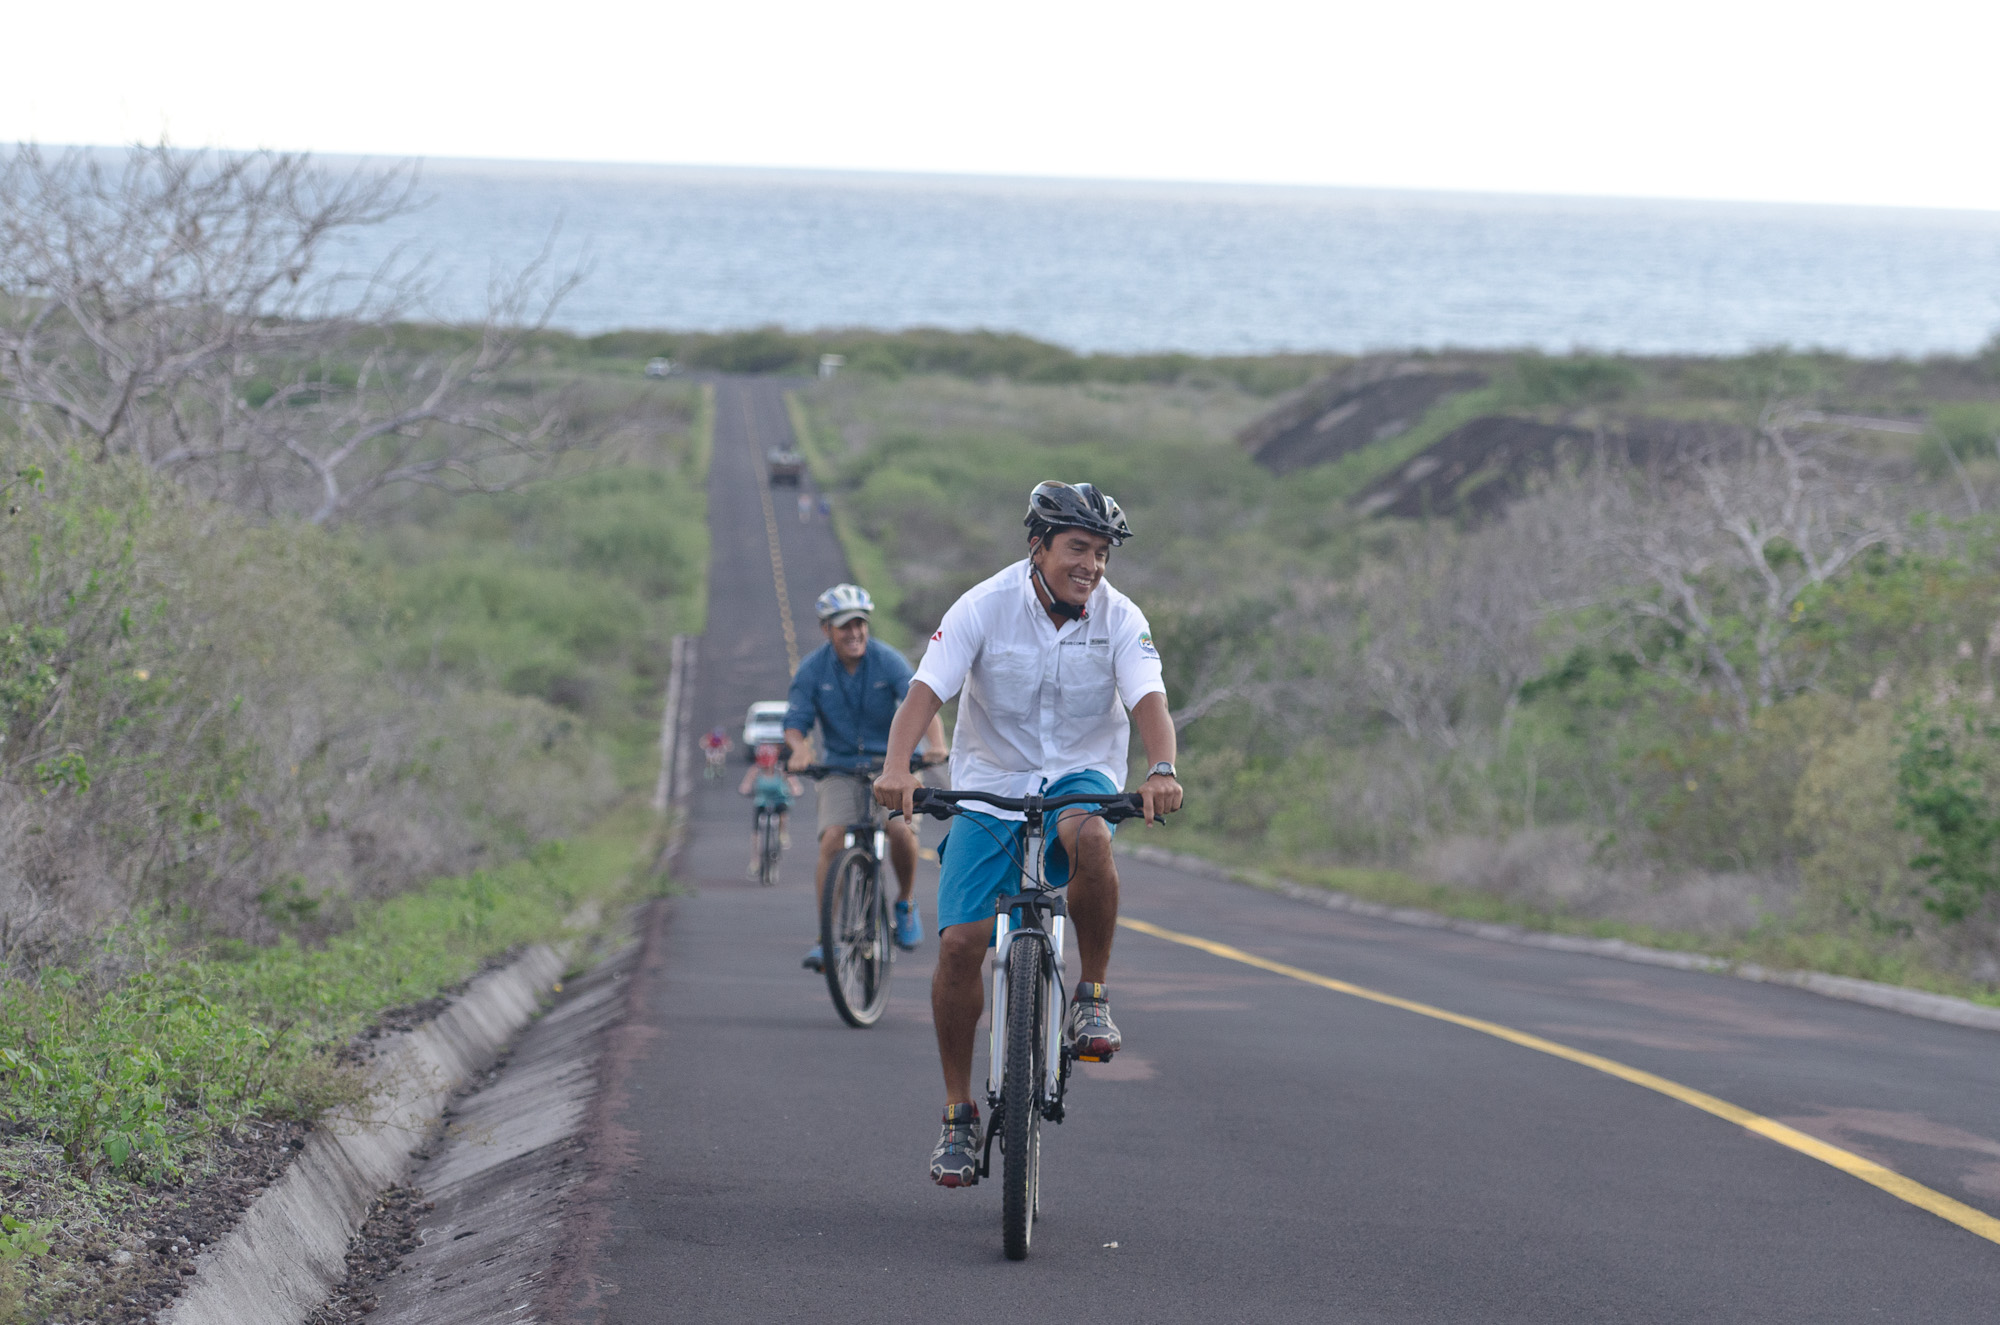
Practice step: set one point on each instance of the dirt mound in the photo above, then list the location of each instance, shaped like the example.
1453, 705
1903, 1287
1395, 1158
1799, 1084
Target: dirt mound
1350, 410
1474, 469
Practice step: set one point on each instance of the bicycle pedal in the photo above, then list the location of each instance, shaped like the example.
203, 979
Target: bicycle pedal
1090, 1058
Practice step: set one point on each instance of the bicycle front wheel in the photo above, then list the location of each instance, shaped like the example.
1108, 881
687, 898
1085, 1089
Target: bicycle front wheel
1020, 1111
767, 855
854, 937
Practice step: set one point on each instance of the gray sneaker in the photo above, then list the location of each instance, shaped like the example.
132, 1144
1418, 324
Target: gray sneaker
955, 1161
1091, 1035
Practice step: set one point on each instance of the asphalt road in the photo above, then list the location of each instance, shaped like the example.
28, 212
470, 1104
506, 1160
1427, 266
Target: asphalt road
1263, 1149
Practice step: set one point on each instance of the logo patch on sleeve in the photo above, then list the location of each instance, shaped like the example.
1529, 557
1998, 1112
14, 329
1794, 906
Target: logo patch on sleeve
1146, 645
940, 635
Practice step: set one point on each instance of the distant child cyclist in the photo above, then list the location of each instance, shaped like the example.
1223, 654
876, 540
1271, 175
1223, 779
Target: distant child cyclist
715, 749
774, 791
850, 687
1046, 658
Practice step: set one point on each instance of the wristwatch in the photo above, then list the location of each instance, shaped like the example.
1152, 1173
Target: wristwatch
1163, 769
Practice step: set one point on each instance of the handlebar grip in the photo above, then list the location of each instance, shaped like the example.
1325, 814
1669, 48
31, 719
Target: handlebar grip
1127, 806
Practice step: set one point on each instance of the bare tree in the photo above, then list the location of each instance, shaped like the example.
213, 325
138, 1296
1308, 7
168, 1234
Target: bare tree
183, 308
1720, 560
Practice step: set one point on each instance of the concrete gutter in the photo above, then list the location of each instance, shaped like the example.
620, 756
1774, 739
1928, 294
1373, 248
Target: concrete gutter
1894, 998
290, 1247
502, 1189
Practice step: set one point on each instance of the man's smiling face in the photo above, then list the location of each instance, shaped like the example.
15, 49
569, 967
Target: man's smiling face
849, 638
1072, 562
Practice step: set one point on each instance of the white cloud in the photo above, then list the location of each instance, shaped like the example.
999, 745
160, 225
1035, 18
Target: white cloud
1763, 99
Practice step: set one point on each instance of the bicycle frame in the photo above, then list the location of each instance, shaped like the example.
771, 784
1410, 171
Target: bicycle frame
1036, 914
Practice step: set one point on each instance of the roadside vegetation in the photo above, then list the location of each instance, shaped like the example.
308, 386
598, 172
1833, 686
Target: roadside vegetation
332, 643
308, 709
1696, 652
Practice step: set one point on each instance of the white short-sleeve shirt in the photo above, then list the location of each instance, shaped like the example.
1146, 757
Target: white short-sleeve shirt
1040, 701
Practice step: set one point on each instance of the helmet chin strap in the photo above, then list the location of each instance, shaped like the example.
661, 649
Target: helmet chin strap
1067, 611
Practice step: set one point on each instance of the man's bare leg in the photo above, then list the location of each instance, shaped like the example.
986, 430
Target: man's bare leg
1093, 891
958, 996
903, 855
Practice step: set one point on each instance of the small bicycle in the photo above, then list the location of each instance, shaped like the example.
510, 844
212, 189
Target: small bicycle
1027, 1065
856, 934
770, 844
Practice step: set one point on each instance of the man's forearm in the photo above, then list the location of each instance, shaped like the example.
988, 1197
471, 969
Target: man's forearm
1156, 729
914, 717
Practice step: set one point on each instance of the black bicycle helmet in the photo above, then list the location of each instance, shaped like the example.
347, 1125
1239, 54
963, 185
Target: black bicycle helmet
1053, 506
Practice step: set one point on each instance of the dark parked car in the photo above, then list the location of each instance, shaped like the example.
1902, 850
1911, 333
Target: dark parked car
786, 466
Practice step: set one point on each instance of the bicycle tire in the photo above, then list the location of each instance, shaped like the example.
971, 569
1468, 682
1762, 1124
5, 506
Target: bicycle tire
767, 855
854, 938
1020, 1111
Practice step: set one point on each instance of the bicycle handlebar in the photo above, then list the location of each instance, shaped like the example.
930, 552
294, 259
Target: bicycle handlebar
818, 771
1116, 807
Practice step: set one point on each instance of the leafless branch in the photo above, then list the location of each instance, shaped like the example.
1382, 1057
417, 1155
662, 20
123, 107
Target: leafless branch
182, 308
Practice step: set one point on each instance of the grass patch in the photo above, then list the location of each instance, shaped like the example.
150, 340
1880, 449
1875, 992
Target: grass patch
701, 452
130, 1064
116, 1077
865, 560
1773, 945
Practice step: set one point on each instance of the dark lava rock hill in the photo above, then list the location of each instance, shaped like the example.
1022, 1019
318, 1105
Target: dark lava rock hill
1341, 413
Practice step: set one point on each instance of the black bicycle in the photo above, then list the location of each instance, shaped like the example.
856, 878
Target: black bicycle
1027, 1064
856, 934
769, 844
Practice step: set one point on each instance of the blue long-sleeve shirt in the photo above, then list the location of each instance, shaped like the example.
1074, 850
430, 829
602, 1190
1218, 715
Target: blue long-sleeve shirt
853, 709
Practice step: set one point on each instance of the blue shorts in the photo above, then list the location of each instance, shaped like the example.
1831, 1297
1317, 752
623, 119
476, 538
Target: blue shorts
978, 861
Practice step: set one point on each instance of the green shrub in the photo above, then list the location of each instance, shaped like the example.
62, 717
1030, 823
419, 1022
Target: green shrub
1579, 379
1855, 856
1968, 430
1948, 789
132, 1064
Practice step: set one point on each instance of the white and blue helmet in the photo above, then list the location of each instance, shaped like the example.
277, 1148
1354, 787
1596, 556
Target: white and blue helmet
842, 603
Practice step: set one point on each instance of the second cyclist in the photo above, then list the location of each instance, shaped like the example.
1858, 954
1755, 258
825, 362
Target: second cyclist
851, 687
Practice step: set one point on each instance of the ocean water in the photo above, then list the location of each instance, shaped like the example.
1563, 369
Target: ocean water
1210, 269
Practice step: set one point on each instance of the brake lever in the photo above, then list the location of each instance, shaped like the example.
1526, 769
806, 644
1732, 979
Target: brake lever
922, 803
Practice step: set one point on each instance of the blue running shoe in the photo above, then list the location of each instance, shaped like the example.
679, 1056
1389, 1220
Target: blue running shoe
815, 959
909, 926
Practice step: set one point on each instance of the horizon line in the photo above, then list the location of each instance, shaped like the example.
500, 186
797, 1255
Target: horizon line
912, 175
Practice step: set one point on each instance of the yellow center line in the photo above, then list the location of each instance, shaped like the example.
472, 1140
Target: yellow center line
771, 533
1890, 1181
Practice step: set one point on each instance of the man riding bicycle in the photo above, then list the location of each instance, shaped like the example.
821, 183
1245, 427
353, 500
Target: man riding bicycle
851, 686
1043, 653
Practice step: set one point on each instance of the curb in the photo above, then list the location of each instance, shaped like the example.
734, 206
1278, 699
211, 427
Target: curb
289, 1249
1893, 998
679, 658
670, 792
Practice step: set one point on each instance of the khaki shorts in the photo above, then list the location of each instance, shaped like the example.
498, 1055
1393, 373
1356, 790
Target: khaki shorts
844, 801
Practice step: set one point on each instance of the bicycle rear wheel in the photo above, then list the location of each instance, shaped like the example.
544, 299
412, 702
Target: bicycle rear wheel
854, 937
1020, 1113
767, 842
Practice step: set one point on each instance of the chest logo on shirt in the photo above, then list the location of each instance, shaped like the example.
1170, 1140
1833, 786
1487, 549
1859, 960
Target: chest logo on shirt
1146, 645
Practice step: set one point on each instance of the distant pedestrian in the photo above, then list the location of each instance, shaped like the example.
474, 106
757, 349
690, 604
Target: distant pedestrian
805, 508
825, 510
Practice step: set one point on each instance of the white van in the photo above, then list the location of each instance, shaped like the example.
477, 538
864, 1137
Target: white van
764, 724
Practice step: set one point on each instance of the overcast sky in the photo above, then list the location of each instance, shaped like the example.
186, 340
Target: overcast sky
1827, 101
